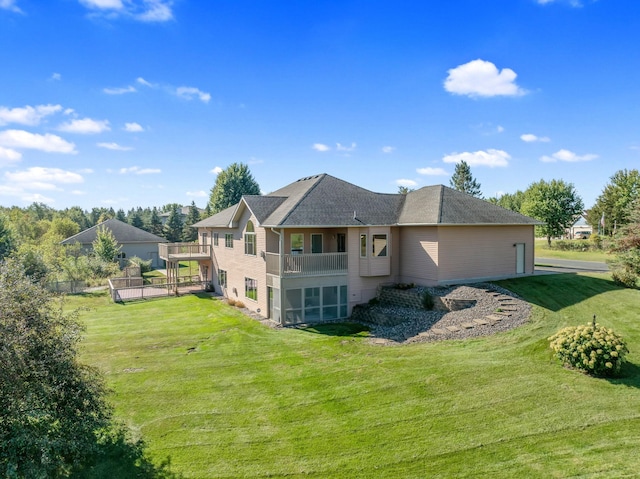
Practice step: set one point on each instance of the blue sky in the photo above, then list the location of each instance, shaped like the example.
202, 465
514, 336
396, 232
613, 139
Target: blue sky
129, 103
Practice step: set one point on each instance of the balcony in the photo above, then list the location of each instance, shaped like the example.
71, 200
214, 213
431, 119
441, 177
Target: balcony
298, 265
184, 251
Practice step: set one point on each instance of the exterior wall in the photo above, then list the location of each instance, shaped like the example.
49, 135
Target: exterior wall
361, 288
468, 253
238, 265
329, 241
419, 255
145, 251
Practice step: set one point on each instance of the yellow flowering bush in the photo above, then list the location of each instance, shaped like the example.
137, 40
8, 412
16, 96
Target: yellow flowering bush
591, 348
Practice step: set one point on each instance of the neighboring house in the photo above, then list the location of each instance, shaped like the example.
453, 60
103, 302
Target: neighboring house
134, 241
314, 249
580, 229
184, 212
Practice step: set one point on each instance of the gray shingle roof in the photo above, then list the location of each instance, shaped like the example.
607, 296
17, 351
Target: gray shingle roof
123, 233
323, 200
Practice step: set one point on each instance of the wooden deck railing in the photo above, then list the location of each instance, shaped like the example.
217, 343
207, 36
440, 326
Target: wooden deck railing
184, 251
306, 264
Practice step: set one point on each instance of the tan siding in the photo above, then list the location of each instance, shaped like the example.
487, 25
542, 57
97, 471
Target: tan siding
239, 265
482, 252
419, 255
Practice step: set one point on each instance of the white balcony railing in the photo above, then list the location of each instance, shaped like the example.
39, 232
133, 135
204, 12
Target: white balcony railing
184, 251
306, 264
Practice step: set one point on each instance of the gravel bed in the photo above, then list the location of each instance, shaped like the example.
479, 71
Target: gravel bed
420, 324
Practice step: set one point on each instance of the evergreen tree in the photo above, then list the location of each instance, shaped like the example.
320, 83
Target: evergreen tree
155, 223
463, 180
188, 233
135, 220
616, 202
173, 226
231, 184
121, 216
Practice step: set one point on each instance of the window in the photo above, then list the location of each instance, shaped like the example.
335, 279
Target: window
228, 240
215, 239
250, 239
341, 238
316, 243
293, 306
311, 304
222, 278
251, 288
297, 243
363, 246
379, 245
203, 239
330, 302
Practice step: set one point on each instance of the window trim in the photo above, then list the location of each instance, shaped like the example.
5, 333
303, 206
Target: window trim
363, 246
216, 237
250, 247
228, 240
250, 284
386, 245
222, 278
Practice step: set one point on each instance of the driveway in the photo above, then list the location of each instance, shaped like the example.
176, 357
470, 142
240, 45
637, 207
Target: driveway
551, 265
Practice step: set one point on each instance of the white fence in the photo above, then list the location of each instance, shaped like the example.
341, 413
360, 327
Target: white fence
132, 293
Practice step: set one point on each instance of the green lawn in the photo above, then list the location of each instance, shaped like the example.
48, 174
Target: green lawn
543, 251
224, 396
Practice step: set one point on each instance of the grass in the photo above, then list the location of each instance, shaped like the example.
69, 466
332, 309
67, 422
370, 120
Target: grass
543, 251
224, 396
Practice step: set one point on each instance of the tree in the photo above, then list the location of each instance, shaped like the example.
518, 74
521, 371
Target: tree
189, 233
105, 246
173, 226
7, 239
510, 201
135, 220
231, 184
403, 190
625, 267
616, 200
556, 203
155, 223
121, 216
463, 180
51, 407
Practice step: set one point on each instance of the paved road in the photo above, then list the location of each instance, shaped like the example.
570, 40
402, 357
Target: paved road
551, 265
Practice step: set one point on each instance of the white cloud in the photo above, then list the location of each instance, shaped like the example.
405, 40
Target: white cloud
103, 4
405, 182
320, 147
197, 194
531, 138
340, 147
189, 92
429, 171
56, 77
482, 78
491, 158
119, 91
500, 129
144, 82
78, 192
25, 140
573, 3
114, 146
9, 156
10, 5
136, 170
216, 171
28, 115
39, 178
568, 156
133, 127
156, 11
388, 149
85, 126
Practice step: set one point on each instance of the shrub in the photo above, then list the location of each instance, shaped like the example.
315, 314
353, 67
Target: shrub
624, 277
231, 302
591, 348
596, 241
427, 300
145, 266
571, 245
239, 304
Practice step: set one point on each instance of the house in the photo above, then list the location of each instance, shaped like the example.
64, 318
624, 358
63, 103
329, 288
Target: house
183, 212
134, 241
580, 229
314, 249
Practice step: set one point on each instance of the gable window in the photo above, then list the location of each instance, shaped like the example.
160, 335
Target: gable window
363, 246
250, 239
316, 243
222, 278
215, 239
297, 243
251, 288
228, 240
379, 245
